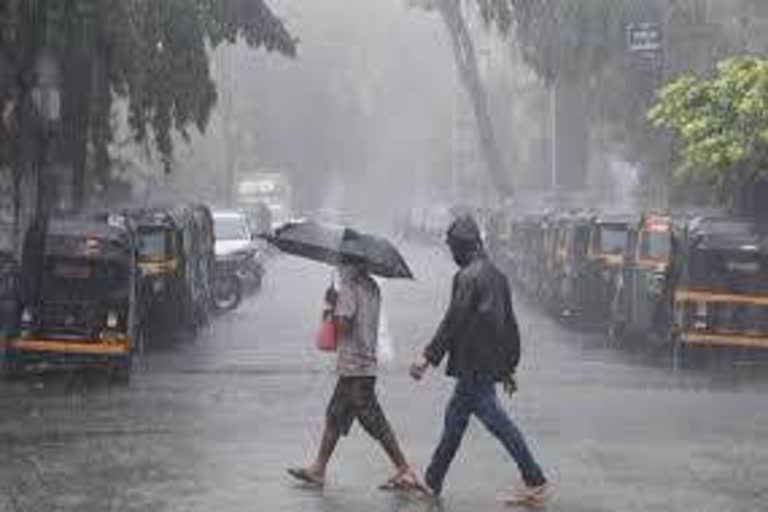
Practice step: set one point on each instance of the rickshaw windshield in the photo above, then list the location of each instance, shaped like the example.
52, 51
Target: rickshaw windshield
84, 280
581, 242
611, 239
155, 243
733, 270
654, 245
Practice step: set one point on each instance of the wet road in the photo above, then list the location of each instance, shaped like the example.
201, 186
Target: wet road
210, 423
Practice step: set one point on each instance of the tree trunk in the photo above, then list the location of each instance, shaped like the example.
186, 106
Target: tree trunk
32, 16
16, 191
466, 64
101, 133
76, 100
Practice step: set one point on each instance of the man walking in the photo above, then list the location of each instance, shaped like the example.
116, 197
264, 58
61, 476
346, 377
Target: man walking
480, 335
357, 311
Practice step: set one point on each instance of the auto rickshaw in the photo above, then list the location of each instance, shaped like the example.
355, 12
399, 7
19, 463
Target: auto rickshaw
720, 287
534, 254
608, 241
175, 259
9, 294
161, 265
575, 283
640, 305
79, 299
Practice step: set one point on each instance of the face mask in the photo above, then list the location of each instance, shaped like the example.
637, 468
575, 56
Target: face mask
462, 256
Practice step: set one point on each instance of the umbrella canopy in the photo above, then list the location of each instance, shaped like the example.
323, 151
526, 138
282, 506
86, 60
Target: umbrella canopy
337, 244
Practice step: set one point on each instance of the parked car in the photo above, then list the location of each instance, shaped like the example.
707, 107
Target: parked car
238, 249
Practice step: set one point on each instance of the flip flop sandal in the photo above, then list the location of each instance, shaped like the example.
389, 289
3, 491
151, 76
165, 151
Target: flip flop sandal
397, 484
529, 501
404, 484
305, 476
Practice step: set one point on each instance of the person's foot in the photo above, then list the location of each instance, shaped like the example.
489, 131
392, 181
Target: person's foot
406, 480
434, 489
529, 495
307, 476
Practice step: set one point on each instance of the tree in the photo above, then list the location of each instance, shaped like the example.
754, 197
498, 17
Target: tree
585, 40
720, 124
496, 12
153, 56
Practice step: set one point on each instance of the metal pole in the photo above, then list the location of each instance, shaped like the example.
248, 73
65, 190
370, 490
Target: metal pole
229, 159
553, 138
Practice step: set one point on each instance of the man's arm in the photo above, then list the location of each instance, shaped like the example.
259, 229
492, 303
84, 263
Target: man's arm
462, 298
512, 338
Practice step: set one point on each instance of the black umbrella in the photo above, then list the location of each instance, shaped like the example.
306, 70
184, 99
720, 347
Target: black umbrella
337, 244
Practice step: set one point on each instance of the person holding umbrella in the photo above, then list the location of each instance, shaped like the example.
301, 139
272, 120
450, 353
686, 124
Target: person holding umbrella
480, 335
357, 306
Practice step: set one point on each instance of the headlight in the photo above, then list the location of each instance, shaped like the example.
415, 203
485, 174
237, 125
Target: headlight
112, 319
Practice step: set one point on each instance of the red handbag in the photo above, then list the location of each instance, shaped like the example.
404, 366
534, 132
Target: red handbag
326, 338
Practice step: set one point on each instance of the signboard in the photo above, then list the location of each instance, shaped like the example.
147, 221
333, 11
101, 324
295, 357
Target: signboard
644, 37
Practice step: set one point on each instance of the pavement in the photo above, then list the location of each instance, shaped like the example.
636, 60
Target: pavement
211, 422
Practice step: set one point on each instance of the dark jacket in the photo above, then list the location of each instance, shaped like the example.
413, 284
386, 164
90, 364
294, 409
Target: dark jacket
479, 331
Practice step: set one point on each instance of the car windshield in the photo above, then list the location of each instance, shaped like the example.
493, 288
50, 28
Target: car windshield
230, 228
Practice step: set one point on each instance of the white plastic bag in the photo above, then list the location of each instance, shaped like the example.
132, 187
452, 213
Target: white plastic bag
386, 348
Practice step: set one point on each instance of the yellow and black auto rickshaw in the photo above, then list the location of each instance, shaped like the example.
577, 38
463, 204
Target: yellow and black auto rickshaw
175, 258
574, 283
640, 304
720, 287
609, 236
79, 298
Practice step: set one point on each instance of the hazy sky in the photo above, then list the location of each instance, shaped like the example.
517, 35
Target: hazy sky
366, 106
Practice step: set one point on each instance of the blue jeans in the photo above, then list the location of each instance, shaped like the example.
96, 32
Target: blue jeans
479, 398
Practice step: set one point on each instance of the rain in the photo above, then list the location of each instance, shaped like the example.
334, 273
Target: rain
384, 255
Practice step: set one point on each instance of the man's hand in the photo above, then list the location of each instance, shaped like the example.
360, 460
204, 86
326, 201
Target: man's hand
510, 383
419, 367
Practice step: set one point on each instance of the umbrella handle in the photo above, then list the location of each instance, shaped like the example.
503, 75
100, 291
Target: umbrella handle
331, 294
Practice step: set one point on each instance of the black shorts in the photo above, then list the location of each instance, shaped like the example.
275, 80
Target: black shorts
355, 398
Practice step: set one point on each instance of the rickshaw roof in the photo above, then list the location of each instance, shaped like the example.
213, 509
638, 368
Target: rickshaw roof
722, 226
153, 216
109, 241
616, 218
726, 234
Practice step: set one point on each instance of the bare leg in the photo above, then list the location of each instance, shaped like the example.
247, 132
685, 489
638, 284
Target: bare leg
375, 423
324, 452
